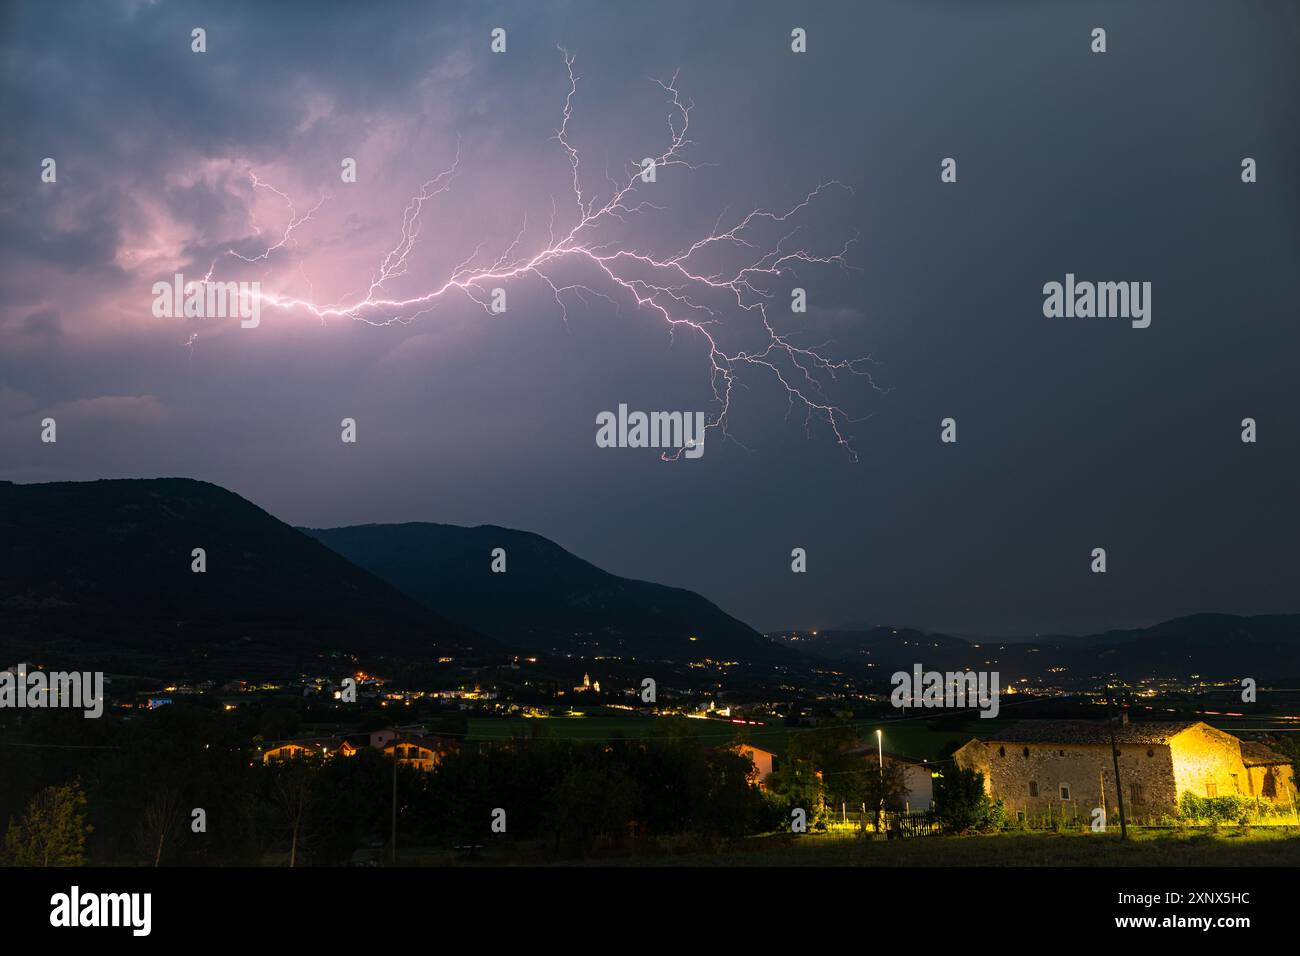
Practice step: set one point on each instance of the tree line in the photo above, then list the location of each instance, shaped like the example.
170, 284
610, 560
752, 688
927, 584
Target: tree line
185, 785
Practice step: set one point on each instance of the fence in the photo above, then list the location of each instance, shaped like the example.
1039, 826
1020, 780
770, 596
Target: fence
899, 825
894, 823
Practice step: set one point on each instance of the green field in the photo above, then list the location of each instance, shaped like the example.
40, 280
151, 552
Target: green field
603, 724
910, 737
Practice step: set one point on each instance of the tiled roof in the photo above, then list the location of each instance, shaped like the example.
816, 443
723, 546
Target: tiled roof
1255, 754
1088, 732
429, 743
329, 743
872, 751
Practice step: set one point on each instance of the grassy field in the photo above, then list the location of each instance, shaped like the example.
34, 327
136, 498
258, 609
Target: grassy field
1259, 847
602, 724
1276, 846
912, 738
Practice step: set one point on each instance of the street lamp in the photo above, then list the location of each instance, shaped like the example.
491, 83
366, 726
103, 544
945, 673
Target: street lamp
880, 750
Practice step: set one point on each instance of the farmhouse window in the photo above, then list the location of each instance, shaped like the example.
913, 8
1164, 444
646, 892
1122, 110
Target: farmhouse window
1137, 794
1211, 788
1033, 788
1026, 752
1065, 791
1002, 751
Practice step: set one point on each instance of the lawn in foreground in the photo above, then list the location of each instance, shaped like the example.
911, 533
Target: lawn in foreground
1277, 846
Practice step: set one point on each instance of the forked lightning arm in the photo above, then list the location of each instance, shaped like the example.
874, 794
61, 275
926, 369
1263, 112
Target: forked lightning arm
673, 291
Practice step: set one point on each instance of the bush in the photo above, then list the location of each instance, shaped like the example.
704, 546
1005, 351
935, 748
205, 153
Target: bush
1220, 810
962, 806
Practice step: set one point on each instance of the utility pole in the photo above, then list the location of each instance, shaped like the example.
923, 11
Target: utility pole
1114, 753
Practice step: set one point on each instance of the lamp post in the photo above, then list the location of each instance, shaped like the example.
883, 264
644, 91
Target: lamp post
880, 751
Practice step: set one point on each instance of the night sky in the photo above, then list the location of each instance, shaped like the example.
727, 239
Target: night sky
1073, 433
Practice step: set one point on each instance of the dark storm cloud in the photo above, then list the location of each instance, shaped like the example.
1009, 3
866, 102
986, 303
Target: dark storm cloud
1074, 434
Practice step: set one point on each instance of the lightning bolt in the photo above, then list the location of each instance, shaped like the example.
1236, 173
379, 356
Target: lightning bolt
294, 222
671, 287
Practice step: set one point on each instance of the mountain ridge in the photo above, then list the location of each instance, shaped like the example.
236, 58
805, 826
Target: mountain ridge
86, 562
548, 599
1192, 645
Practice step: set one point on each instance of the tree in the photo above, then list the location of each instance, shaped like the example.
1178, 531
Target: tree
160, 823
53, 830
591, 802
819, 768
875, 789
279, 723
797, 785
163, 765
734, 806
293, 795
825, 745
961, 805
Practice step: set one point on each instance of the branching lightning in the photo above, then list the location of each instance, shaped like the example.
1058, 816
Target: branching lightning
672, 287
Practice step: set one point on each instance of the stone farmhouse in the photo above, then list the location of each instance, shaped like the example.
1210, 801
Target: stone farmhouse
1043, 769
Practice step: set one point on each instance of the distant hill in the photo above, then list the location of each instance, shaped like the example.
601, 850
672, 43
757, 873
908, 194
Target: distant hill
1214, 646
548, 600
101, 565
877, 641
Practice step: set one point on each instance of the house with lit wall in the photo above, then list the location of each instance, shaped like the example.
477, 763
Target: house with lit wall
412, 749
1042, 769
423, 753
916, 775
764, 762
309, 746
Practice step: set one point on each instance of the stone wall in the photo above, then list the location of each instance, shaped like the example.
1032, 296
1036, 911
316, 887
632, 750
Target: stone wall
1284, 789
1207, 762
1086, 769
1199, 760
